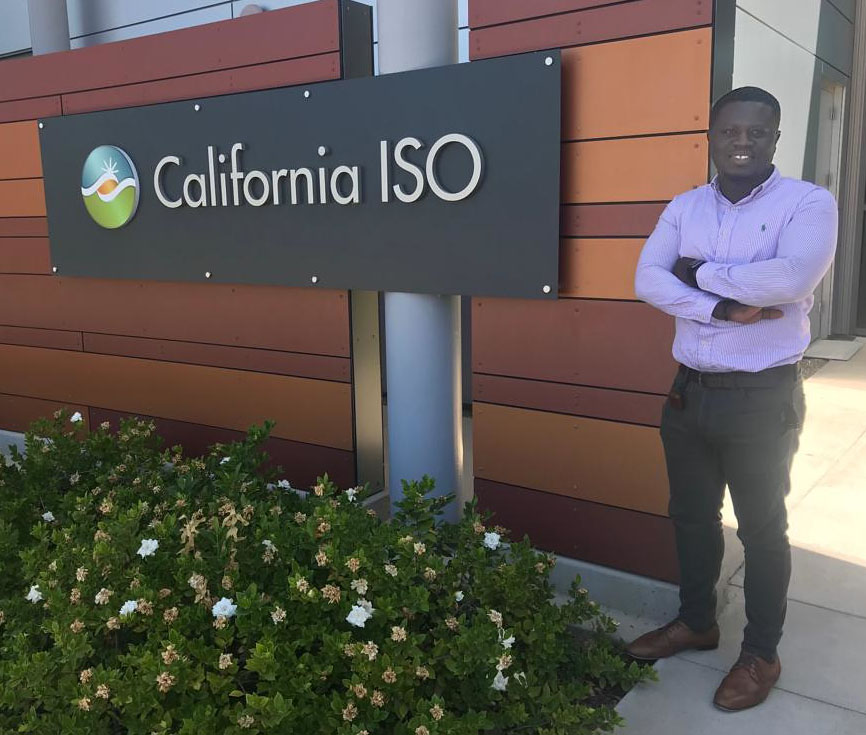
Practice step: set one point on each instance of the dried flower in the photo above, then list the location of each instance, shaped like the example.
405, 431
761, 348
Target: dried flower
377, 699
495, 618
323, 527
422, 673
422, 730
2, 617
319, 490
75, 596
370, 650
350, 650
321, 558
164, 592
391, 569
135, 583
478, 527
350, 712
303, 586
220, 622
170, 655
354, 564
419, 548
103, 692
331, 593
105, 425
429, 574
227, 582
165, 681
105, 507
145, 607
103, 596
84, 704
505, 660
170, 615
245, 722
112, 624
359, 690
360, 586
278, 615
398, 634
76, 626
300, 518
389, 676
436, 712
225, 661
85, 676
101, 535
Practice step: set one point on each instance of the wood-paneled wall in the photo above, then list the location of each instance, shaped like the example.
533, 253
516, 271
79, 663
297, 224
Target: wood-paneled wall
569, 393
205, 361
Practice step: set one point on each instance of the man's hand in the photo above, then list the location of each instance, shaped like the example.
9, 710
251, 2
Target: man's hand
734, 311
686, 269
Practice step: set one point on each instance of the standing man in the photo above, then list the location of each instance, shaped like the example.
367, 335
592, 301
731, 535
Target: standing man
736, 262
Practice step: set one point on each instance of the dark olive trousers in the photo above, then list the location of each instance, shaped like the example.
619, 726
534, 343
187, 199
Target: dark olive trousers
744, 438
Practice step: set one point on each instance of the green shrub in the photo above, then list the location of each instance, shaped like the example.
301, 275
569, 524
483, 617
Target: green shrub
169, 595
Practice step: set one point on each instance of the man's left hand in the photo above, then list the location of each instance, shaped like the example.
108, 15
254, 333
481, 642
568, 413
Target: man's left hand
686, 269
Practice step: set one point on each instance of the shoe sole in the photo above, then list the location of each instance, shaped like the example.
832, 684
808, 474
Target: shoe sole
712, 647
739, 709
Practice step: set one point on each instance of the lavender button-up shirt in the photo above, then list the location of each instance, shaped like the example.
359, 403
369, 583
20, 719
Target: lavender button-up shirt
770, 249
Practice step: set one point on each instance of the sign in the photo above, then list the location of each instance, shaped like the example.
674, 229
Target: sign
441, 180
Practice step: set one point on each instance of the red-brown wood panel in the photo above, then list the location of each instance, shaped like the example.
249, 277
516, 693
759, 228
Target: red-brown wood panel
20, 157
303, 365
493, 12
22, 198
302, 30
23, 227
29, 109
624, 539
302, 463
292, 319
609, 220
611, 344
261, 76
624, 20
310, 411
25, 255
614, 405
569, 455
18, 412
52, 338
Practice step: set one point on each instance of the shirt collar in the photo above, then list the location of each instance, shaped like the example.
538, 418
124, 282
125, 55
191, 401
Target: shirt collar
757, 192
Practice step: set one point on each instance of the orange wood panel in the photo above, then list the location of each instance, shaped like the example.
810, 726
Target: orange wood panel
261, 76
601, 461
598, 268
657, 84
311, 411
322, 367
25, 255
22, 198
30, 109
291, 319
633, 169
18, 412
20, 157
54, 338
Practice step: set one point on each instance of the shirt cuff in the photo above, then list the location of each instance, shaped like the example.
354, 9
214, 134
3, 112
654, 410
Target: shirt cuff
704, 276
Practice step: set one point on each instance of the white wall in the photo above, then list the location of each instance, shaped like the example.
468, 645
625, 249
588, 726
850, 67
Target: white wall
779, 45
103, 21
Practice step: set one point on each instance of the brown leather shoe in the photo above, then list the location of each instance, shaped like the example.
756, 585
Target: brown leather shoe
748, 683
672, 638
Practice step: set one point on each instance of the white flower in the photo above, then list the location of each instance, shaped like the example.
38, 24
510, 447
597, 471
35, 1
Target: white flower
225, 460
351, 493
76, 418
491, 540
34, 595
458, 595
359, 614
368, 608
507, 642
269, 545
521, 677
129, 607
360, 586
148, 547
284, 485
500, 682
225, 608
48, 516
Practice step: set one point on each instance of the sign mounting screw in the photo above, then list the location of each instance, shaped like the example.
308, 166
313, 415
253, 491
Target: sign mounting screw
207, 274
54, 269
548, 61
546, 289
306, 94
315, 279
196, 107
323, 151
41, 125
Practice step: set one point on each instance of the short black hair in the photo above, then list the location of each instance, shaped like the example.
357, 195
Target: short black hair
747, 94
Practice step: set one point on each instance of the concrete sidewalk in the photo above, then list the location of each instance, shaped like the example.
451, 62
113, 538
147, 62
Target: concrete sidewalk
822, 690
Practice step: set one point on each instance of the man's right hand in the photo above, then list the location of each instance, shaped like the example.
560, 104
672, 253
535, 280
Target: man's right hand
736, 312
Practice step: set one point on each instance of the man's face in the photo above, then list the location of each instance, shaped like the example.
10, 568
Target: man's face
743, 139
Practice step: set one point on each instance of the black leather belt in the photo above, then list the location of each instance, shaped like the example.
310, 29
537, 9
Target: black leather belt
768, 378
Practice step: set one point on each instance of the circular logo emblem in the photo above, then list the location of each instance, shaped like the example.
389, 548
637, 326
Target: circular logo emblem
109, 186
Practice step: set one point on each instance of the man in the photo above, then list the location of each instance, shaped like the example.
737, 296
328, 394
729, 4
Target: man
736, 262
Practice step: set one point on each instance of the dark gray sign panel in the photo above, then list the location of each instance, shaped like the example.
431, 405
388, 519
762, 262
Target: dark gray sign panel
441, 180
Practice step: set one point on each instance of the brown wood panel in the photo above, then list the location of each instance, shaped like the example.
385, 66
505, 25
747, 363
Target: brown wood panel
29, 109
302, 463
301, 30
578, 400
20, 157
269, 317
261, 76
492, 12
641, 86
624, 20
18, 412
22, 198
609, 220
53, 338
23, 227
633, 169
311, 411
601, 461
609, 344
614, 537
598, 268
322, 367
25, 255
